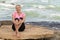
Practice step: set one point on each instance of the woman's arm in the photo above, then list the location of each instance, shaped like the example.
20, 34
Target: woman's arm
13, 19
21, 21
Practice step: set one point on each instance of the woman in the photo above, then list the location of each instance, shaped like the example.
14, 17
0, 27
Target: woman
18, 19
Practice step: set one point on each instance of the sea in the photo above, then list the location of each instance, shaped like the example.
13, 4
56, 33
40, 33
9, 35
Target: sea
35, 10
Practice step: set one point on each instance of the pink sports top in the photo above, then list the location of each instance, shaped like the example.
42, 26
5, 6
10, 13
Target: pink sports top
15, 15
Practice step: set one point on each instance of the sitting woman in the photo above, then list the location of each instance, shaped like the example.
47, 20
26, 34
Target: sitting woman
18, 19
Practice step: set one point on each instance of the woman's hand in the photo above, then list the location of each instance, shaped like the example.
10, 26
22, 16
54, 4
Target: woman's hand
16, 22
20, 22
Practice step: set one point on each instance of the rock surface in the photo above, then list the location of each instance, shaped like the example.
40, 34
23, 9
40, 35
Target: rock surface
31, 32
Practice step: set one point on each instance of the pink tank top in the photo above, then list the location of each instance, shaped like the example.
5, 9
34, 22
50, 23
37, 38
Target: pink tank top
15, 15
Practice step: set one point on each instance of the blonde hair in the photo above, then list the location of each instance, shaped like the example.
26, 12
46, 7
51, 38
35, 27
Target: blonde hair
18, 5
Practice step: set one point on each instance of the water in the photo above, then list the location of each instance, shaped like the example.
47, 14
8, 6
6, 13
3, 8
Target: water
35, 10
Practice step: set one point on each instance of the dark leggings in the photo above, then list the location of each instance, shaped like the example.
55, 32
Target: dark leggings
20, 28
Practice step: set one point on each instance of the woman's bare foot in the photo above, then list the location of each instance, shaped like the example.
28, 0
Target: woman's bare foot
17, 35
14, 33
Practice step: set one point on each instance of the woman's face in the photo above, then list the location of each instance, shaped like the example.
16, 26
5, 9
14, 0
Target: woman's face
18, 8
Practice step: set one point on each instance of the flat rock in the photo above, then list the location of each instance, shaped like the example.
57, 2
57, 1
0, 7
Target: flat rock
31, 32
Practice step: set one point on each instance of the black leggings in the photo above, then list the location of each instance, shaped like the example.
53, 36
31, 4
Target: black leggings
20, 29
